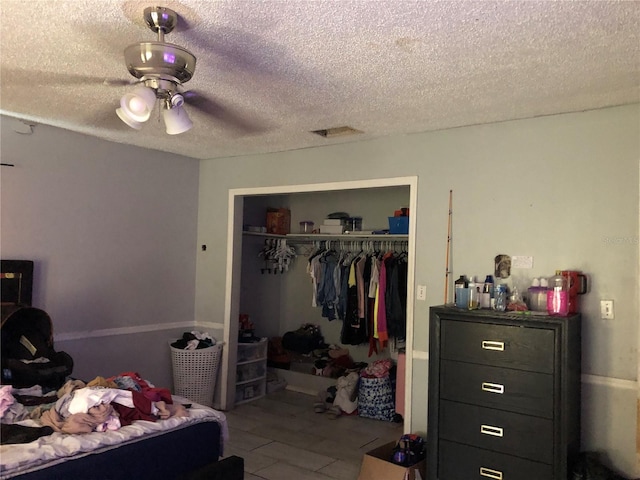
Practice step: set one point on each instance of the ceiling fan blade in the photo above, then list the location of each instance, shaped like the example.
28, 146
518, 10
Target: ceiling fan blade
41, 78
224, 114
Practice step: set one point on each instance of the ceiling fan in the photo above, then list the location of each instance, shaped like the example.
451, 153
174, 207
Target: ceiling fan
161, 68
159, 71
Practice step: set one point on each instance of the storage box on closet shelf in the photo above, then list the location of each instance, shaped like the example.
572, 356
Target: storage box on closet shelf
278, 221
399, 223
338, 223
195, 363
332, 226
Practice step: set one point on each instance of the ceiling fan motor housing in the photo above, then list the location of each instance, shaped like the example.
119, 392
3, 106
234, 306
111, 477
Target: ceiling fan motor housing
160, 59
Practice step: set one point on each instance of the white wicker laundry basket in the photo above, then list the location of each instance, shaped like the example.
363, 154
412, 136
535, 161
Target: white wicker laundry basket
195, 372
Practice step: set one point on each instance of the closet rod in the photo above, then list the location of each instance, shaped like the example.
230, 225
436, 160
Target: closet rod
338, 241
371, 246
295, 239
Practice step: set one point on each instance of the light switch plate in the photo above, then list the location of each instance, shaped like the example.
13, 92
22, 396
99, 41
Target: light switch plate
606, 309
421, 293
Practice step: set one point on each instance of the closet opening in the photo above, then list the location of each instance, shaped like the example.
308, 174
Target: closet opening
279, 299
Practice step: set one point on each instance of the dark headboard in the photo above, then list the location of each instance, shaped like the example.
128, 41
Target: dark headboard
16, 281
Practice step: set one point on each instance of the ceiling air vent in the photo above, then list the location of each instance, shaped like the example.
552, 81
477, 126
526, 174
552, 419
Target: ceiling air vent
336, 132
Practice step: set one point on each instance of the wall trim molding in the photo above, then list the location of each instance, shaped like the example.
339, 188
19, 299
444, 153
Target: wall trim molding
109, 332
211, 325
610, 382
420, 355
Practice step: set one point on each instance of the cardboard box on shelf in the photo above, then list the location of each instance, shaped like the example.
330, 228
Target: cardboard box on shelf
278, 221
376, 465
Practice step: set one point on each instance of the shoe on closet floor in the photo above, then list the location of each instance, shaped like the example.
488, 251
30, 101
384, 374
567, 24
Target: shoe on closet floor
334, 412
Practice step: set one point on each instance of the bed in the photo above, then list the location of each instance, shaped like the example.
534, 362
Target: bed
186, 447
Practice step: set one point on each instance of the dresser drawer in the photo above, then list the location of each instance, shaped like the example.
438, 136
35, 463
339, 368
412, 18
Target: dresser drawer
497, 430
462, 462
518, 391
508, 346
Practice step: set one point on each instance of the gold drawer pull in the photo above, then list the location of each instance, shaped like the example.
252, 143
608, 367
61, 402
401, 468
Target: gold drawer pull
491, 345
491, 430
492, 387
489, 473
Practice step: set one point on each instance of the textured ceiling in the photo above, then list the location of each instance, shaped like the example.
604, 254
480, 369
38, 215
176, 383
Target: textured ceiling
268, 72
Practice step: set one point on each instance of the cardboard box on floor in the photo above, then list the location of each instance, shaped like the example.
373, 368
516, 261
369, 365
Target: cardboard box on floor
376, 465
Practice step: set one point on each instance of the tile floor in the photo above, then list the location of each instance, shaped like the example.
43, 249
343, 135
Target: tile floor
280, 436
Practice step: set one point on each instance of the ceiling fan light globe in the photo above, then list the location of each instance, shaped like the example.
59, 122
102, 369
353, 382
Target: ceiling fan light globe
139, 103
128, 120
176, 120
137, 106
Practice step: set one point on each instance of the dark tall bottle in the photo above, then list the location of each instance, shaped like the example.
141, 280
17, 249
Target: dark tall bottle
487, 292
460, 292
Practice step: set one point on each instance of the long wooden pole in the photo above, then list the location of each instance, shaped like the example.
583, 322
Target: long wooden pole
446, 269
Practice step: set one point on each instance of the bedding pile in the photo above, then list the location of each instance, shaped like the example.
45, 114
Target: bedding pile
45, 429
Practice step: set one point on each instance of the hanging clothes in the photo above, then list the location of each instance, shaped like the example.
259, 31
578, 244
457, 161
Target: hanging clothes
373, 305
366, 290
329, 299
343, 300
381, 320
396, 296
354, 330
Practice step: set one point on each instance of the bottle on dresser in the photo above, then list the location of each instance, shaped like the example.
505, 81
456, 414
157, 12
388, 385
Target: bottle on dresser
461, 292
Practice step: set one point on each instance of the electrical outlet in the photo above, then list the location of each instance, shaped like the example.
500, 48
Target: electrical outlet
422, 292
606, 309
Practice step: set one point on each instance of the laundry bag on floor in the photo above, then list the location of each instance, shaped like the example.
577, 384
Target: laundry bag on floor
375, 398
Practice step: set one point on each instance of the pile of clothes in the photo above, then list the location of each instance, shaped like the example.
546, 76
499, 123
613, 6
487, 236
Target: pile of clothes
194, 341
334, 362
277, 355
339, 399
101, 405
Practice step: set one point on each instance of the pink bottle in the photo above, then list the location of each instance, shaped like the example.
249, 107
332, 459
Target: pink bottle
558, 295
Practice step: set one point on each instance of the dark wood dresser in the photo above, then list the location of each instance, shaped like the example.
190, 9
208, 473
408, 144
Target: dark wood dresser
504, 395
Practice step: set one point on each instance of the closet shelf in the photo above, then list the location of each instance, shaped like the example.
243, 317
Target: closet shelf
260, 234
329, 236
